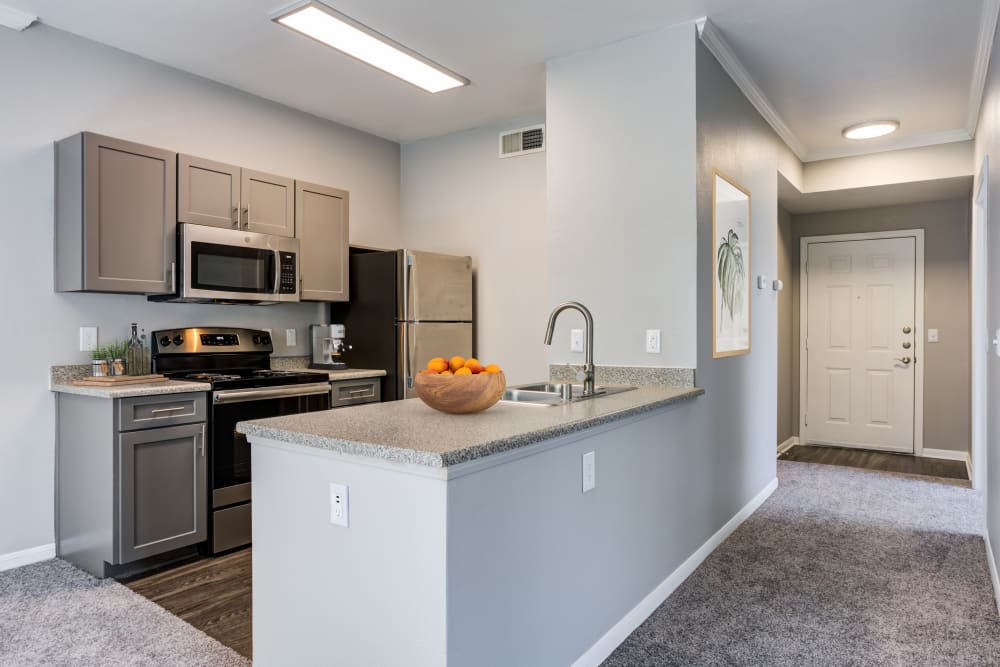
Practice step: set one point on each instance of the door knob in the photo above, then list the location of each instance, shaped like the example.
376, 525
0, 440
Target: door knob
907, 330
903, 360
906, 345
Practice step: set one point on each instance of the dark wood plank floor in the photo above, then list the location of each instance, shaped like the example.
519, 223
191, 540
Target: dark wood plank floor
212, 594
871, 460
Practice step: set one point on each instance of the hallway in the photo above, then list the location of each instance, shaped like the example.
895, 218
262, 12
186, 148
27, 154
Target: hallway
839, 567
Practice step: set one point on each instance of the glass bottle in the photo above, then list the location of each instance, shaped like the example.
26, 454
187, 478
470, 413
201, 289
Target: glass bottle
133, 359
147, 362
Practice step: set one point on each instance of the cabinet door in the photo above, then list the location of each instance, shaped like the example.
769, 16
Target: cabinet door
268, 203
321, 225
208, 193
130, 216
161, 491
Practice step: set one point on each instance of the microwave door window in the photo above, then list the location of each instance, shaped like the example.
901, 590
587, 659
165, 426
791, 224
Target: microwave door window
226, 268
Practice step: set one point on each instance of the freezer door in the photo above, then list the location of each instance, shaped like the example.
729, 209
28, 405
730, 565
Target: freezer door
438, 288
422, 341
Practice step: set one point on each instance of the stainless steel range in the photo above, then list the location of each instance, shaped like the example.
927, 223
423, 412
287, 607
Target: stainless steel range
237, 364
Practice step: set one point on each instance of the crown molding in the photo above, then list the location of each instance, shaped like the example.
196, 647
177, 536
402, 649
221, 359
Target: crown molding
15, 19
913, 141
984, 49
717, 45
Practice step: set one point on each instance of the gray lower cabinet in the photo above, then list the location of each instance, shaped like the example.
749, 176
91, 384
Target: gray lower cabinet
130, 478
161, 490
322, 227
355, 392
225, 195
115, 216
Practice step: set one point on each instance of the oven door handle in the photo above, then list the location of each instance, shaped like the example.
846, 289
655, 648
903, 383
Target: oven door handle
244, 395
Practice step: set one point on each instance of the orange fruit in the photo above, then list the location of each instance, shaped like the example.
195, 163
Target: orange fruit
446, 373
437, 364
428, 371
474, 365
492, 368
457, 362
464, 371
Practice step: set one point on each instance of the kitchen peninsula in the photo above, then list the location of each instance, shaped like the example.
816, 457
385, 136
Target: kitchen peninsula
470, 539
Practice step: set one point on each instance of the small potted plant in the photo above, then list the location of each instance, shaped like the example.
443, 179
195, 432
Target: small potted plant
116, 352
99, 361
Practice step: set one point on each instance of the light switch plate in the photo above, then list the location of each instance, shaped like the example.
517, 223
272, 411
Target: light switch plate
576, 340
88, 339
933, 336
290, 340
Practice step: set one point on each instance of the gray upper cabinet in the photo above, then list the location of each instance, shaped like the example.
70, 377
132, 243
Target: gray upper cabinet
322, 226
208, 192
224, 195
268, 203
115, 216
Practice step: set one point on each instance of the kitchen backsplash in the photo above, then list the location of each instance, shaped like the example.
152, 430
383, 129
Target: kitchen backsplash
64, 374
626, 375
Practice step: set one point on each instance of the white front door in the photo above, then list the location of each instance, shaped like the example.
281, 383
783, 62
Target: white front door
860, 333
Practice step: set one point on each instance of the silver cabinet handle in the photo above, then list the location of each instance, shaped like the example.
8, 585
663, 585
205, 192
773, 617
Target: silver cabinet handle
201, 445
246, 217
157, 411
173, 276
359, 392
236, 217
903, 360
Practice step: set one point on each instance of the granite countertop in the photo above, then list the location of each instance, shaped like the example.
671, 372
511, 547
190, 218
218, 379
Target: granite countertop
130, 390
411, 432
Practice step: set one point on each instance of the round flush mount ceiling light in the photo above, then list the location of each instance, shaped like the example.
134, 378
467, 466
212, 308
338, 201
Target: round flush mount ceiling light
871, 129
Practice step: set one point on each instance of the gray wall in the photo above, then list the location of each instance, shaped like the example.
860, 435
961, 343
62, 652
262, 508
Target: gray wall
56, 84
787, 416
740, 403
621, 146
460, 197
988, 144
947, 373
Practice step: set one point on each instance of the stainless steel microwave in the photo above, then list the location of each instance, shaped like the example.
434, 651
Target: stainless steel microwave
220, 265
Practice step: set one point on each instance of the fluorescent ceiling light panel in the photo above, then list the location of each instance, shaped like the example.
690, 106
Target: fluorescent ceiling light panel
343, 33
870, 130
15, 19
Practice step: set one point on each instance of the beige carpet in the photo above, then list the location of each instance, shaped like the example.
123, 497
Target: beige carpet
54, 614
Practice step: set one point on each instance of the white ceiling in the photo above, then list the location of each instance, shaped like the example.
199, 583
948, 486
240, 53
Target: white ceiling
820, 64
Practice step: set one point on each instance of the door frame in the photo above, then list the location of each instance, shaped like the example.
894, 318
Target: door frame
980, 343
918, 325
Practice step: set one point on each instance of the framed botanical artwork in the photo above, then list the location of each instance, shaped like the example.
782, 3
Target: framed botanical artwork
730, 267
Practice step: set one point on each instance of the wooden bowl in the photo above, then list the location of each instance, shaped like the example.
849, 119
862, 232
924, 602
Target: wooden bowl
460, 394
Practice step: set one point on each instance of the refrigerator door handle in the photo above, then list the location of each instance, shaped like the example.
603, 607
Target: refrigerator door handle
409, 357
411, 288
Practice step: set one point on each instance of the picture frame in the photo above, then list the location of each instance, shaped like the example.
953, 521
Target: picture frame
731, 260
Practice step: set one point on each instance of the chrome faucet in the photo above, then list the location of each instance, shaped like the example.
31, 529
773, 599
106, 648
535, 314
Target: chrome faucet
588, 367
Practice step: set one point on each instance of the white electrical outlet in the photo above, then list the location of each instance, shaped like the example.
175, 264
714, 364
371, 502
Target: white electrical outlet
589, 472
340, 514
88, 339
653, 341
576, 340
290, 338
933, 336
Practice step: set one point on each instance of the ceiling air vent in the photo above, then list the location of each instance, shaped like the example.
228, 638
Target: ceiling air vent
523, 141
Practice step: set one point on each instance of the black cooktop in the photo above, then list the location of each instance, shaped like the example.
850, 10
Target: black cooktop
243, 378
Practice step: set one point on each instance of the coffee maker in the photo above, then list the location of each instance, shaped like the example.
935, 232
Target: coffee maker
327, 346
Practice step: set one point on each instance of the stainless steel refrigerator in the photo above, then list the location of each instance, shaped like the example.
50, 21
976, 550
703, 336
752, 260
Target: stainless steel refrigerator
406, 308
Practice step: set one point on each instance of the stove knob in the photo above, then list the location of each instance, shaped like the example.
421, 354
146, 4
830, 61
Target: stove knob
165, 341
266, 340
178, 340
256, 340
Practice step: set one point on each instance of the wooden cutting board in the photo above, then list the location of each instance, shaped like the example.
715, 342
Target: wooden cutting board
120, 380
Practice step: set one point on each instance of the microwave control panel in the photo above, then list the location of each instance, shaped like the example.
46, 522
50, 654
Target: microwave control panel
288, 273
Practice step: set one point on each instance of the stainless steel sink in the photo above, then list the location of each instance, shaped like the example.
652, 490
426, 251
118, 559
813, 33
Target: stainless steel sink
547, 393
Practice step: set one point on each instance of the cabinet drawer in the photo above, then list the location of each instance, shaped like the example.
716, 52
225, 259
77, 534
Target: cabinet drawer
355, 392
163, 410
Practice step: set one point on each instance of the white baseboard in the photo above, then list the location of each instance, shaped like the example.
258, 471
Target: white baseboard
788, 444
604, 646
993, 571
27, 556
